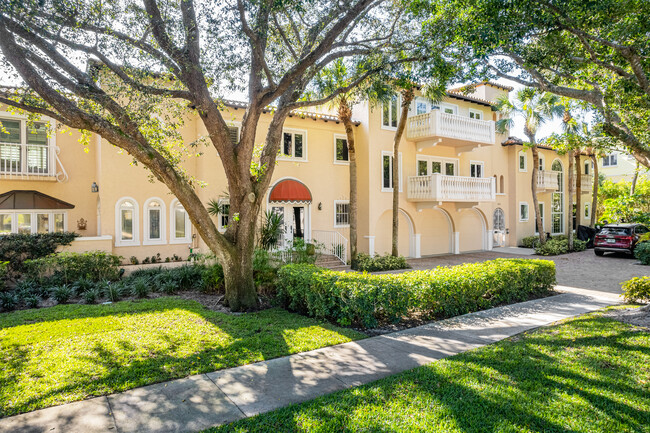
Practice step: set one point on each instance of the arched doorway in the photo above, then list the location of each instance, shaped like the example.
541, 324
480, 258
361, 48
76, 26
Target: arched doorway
499, 227
291, 199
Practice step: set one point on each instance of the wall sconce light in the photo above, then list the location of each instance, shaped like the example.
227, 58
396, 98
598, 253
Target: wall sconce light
94, 187
320, 205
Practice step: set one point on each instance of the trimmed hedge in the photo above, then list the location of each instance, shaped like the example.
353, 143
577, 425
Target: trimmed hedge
368, 263
554, 247
637, 290
367, 300
67, 267
16, 248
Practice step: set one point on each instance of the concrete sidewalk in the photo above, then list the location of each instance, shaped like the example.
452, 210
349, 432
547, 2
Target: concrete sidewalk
198, 402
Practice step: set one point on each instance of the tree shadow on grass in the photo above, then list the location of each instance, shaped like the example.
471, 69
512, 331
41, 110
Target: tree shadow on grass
524, 385
124, 363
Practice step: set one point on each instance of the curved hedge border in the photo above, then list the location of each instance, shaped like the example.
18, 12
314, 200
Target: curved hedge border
367, 300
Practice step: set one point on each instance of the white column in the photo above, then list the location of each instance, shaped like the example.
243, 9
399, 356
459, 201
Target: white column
490, 240
371, 245
416, 246
456, 243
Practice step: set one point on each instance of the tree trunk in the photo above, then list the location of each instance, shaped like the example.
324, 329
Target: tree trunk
238, 278
594, 193
634, 179
345, 114
569, 200
533, 187
579, 210
407, 98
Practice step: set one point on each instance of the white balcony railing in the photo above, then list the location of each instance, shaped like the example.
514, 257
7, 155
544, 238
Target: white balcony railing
547, 180
438, 124
586, 184
30, 161
439, 187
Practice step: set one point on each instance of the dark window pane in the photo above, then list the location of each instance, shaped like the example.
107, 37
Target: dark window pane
422, 168
298, 145
341, 149
387, 172
436, 167
37, 134
10, 132
393, 114
286, 149
385, 115
449, 169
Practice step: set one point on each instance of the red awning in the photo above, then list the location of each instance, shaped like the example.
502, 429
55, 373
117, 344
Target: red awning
290, 191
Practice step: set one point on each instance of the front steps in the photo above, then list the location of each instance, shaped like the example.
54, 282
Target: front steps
331, 262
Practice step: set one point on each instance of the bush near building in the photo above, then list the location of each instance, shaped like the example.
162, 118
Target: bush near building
16, 248
368, 263
642, 252
637, 290
369, 300
554, 247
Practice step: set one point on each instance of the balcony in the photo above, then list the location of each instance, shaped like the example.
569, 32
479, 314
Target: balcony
429, 129
586, 183
547, 181
460, 189
30, 162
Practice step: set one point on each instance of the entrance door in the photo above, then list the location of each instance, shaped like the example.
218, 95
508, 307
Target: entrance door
499, 224
293, 219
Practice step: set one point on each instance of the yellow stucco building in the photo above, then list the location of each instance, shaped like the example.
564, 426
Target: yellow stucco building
463, 187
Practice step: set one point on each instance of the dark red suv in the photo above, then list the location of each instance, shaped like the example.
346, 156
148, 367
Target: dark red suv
618, 238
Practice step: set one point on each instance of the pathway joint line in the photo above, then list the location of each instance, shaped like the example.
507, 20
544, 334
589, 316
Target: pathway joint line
226, 394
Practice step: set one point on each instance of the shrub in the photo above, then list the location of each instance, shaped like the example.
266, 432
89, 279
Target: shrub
8, 301
642, 252
530, 241
62, 294
264, 271
367, 300
82, 285
31, 301
4, 270
91, 295
557, 246
637, 290
140, 287
212, 278
16, 248
367, 263
134, 260
67, 268
112, 290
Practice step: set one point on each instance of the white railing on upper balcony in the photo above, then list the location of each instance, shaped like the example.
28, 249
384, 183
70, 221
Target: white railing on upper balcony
330, 242
29, 161
439, 187
445, 125
547, 180
586, 183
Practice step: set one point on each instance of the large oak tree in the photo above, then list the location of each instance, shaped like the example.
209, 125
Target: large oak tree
118, 69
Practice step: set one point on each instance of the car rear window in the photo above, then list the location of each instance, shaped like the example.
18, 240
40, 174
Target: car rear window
620, 231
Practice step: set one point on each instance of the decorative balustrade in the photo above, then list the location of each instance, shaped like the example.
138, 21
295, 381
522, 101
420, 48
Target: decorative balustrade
547, 180
439, 187
438, 124
586, 183
30, 161
333, 243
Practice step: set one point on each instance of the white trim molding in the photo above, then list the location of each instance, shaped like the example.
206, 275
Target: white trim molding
187, 239
135, 223
146, 223
527, 217
336, 161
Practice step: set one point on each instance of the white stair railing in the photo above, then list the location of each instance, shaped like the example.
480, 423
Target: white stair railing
333, 243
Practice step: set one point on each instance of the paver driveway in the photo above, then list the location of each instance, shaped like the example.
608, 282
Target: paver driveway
583, 270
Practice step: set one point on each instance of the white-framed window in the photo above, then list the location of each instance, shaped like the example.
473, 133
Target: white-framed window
32, 221
180, 227
541, 214
428, 165
387, 171
25, 147
448, 108
224, 214
422, 105
294, 145
233, 131
541, 162
523, 211
341, 149
587, 211
523, 161
476, 169
127, 222
154, 221
390, 113
341, 213
475, 114
610, 160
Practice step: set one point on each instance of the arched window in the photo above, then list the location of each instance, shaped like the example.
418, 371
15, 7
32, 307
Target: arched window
126, 222
502, 185
154, 221
180, 224
557, 200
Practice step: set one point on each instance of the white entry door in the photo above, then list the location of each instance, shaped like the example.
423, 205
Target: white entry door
499, 225
294, 219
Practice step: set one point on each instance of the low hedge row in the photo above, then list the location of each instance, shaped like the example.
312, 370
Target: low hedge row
368, 300
637, 290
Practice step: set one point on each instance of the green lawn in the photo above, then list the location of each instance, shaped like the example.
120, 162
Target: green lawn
70, 352
590, 374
